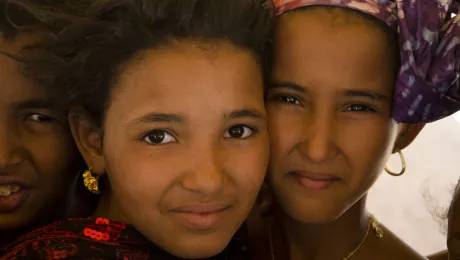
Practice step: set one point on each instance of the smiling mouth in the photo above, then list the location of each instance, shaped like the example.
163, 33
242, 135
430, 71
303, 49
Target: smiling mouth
7, 190
12, 197
201, 217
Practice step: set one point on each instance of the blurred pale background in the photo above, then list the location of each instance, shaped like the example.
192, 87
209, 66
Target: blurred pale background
409, 205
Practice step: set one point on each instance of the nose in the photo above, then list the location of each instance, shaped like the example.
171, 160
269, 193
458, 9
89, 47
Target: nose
9, 149
318, 144
208, 174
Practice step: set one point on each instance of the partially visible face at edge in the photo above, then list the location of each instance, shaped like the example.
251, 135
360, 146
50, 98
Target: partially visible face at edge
37, 152
185, 145
453, 231
329, 108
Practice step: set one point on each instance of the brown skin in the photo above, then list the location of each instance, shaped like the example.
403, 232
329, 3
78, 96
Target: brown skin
36, 146
208, 91
453, 231
444, 255
329, 109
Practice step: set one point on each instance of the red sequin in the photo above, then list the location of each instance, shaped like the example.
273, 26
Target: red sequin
85, 239
87, 232
102, 221
105, 237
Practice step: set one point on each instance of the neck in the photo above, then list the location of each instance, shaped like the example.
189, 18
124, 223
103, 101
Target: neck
82, 203
107, 207
334, 240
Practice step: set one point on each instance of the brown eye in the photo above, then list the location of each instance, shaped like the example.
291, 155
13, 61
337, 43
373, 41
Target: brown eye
159, 137
289, 99
40, 118
359, 108
239, 132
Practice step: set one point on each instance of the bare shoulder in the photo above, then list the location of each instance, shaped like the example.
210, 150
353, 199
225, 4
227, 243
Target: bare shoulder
391, 247
439, 256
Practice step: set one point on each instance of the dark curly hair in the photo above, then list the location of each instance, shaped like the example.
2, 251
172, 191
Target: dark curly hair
8, 30
93, 39
16, 19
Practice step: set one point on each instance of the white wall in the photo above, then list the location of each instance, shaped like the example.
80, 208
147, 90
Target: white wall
405, 204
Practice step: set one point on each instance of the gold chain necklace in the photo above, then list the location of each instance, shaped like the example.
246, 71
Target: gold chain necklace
373, 224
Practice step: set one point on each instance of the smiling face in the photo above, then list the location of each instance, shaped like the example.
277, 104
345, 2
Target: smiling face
329, 108
185, 145
37, 152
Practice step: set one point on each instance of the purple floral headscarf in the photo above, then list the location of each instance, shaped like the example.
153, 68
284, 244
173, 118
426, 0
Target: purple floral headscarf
428, 87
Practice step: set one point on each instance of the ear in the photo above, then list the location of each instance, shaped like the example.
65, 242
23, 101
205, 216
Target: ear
88, 139
407, 134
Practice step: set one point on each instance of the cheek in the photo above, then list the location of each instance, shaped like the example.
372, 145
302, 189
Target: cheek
248, 167
367, 156
286, 131
54, 155
137, 176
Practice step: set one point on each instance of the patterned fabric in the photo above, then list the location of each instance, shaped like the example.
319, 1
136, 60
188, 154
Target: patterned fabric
99, 239
427, 88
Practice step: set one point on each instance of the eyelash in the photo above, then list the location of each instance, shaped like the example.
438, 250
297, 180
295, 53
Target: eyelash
363, 108
253, 132
171, 138
146, 137
283, 99
349, 108
40, 118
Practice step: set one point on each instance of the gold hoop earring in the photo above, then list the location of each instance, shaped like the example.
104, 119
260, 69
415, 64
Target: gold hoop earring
91, 183
403, 163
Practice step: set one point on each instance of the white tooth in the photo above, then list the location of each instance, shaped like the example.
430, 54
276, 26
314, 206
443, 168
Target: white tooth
14, 188
5, 190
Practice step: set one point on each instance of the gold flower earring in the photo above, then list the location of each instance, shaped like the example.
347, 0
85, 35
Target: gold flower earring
91, 182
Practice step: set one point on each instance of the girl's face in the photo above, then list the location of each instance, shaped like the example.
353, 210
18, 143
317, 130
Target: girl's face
329, 107
37, 152
185, 145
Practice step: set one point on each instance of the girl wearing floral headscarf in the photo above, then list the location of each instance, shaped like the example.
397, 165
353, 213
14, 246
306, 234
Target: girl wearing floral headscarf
352, 83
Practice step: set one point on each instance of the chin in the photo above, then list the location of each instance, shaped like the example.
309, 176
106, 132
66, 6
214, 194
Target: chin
14, 221
311, 217
203, 250
314, 212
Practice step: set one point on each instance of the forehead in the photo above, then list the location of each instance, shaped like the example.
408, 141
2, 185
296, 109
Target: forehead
322, 45
167, 78
14, 87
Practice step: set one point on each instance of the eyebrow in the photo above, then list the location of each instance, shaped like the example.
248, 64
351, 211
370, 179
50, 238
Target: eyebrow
287, 85
176, 118
366, 94
245, 113
349, 93
158, 118
36, 104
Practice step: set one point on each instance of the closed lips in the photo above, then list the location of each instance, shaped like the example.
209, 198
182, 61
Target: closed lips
316, 176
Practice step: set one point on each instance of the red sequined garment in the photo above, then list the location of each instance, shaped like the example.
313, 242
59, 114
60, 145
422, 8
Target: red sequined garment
98, 239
